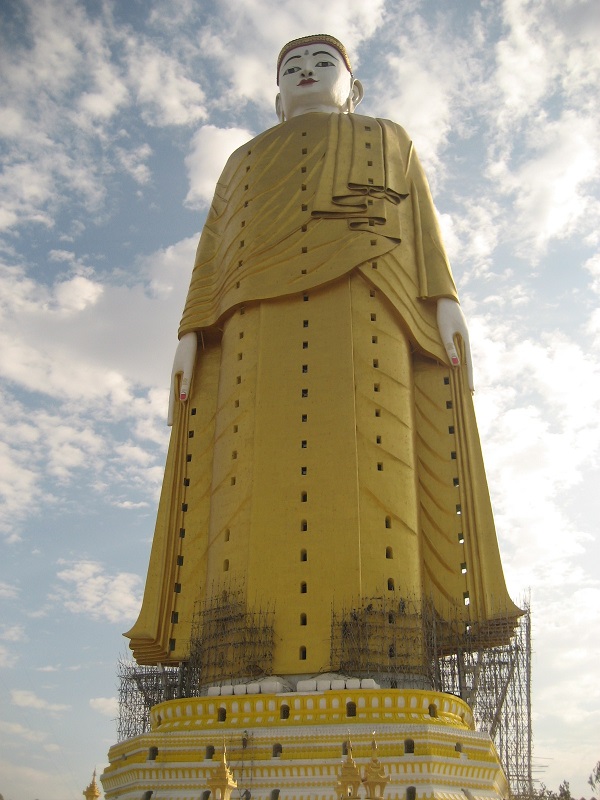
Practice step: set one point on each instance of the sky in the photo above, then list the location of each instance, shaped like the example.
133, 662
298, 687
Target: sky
115, 121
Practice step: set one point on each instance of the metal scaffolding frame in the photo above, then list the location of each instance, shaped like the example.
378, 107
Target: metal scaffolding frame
228, 638
400, 644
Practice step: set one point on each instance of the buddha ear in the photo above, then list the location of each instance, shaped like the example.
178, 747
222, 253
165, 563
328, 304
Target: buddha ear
356, 95
279, 108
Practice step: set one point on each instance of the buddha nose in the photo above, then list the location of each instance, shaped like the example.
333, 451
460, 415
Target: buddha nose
307, 71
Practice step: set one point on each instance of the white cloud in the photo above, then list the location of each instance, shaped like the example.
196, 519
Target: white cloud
133, 160
12, 633
592, 265
93, 592
27, 699
106, 94
82, 344
524, 57
541, 437
551, 185
210, 149
549, 45
475, 234
167, 96
107, 706
76, 294
16, 729
7, 591
131, 505
8, 658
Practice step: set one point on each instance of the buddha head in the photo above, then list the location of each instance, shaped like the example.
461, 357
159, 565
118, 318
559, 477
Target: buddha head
314, 74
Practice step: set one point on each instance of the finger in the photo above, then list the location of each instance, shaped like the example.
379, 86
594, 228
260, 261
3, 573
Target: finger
452, 353
184, 387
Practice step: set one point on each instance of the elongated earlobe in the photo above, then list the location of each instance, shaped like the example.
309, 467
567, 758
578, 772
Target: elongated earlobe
279, 109
356, 95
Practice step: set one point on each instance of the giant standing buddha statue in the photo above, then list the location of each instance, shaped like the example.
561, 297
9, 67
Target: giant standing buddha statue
324, 534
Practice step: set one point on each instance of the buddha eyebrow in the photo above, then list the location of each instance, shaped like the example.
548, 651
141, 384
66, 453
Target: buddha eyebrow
316, 53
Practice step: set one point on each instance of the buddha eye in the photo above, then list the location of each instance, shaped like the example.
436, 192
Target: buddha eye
325, 64
291, 70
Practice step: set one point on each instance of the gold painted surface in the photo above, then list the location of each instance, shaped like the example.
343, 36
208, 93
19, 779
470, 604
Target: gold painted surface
321, 405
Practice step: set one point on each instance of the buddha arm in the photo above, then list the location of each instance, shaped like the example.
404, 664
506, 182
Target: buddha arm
440, 284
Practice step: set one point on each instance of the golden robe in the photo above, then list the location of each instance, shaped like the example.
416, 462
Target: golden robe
327, 458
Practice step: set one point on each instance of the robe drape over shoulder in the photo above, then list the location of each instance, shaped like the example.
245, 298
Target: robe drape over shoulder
327, 454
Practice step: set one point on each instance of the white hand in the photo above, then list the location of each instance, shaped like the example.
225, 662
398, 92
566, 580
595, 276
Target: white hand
451, 321
183, 364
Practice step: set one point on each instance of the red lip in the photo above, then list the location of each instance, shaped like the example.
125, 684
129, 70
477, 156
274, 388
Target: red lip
306, 81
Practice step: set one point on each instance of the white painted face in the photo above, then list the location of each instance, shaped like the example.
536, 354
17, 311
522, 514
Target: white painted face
315, 78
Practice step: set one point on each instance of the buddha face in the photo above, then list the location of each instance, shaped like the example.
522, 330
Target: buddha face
315, 78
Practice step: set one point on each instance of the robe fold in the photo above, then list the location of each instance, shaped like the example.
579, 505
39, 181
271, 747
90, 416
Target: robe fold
327, 454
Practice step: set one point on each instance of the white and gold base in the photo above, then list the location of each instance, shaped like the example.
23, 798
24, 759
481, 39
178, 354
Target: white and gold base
294, 746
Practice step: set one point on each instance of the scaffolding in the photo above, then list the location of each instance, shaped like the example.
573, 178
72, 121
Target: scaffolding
229, 639
496, 683
399, 644
141, 688
406, 643
382, 639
